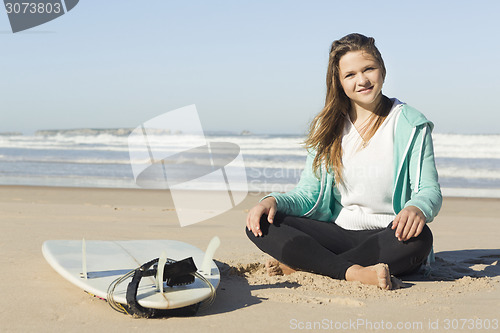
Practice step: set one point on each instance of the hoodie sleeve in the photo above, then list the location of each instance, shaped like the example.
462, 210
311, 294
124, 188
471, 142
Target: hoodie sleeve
303, 197
425, 189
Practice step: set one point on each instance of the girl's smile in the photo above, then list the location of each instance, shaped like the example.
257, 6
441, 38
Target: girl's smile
366, 90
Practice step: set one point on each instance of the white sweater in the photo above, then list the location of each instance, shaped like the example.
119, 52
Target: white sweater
368, 176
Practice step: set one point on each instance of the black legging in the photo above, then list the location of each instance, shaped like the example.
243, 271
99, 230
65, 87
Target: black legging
327, 249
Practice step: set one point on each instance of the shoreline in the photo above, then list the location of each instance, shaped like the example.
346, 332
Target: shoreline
478, 193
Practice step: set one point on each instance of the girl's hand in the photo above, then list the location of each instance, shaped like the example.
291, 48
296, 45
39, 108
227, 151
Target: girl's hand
409, 223
266, 206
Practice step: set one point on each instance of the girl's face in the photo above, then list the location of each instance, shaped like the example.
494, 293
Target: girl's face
361, 78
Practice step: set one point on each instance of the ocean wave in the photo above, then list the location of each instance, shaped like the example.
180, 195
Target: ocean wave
172, 146
85, 132
270, 166
467, 146
445, 145
107, 138
55, 160
468, 173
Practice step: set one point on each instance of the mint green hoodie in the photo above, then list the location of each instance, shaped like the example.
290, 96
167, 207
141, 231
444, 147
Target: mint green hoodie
415, 176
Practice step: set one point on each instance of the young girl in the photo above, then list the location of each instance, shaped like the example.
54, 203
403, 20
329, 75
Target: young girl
369, 186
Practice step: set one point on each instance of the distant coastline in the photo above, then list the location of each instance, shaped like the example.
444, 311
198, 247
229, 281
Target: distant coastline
11, 133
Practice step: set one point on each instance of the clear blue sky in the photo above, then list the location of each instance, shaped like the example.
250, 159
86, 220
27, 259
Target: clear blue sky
255, 65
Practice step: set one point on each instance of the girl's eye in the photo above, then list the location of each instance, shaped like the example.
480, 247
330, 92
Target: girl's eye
349, 75
369, 69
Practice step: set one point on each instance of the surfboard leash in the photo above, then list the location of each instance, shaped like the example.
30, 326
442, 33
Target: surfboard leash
175, 273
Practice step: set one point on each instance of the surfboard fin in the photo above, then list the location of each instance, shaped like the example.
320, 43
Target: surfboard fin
206, 266
84, 274
159, 275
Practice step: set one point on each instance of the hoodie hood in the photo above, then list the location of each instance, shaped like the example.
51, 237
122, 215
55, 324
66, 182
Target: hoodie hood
415, 118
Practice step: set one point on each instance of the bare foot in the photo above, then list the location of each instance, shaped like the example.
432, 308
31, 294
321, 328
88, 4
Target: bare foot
377, 275
274, 267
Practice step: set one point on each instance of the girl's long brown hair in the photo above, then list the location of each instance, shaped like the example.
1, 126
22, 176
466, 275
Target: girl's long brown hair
325, 131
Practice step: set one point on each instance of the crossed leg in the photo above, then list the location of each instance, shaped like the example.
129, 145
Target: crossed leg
324, 248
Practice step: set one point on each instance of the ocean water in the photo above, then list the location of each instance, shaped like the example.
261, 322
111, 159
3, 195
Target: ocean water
468, 165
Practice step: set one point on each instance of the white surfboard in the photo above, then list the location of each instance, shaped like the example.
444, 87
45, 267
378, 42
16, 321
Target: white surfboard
94, 265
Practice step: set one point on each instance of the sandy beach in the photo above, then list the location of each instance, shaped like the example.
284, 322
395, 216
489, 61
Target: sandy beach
461, 294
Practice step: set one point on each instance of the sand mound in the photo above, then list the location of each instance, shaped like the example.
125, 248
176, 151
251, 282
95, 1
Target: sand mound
303, 287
